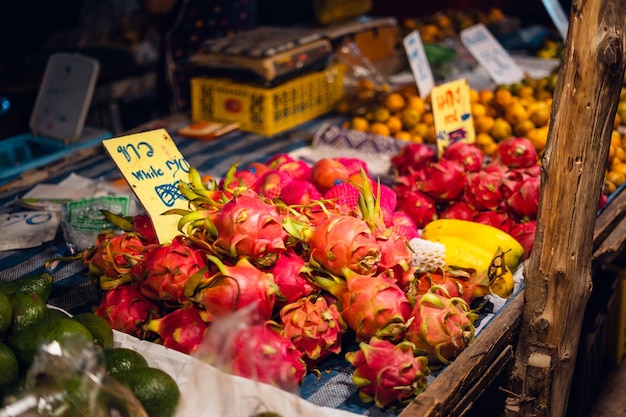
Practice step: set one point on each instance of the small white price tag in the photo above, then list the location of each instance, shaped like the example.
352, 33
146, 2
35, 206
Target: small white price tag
452, 113
28, 229
418, 61
491, 55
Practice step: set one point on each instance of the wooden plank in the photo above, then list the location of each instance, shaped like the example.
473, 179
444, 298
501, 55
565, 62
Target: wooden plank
472, 370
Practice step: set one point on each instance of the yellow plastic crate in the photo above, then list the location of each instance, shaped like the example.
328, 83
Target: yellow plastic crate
616, 331
267, 111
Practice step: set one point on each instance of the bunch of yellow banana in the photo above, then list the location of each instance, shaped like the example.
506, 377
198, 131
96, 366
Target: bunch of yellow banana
478, 246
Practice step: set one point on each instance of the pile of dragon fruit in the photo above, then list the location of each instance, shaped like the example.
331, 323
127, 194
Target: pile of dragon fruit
321, 252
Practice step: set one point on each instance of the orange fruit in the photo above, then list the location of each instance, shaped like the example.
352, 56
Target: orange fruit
410, 117
428, 118
515, 113
403, 135
394, 124
394, 102
378, 128
474, 96
501, 129
485, 97
416, 102
327, 172
523, 127
483, 124
478, 109
502, 98
540, 116
538, 137
359, 123
420, 129
617, 178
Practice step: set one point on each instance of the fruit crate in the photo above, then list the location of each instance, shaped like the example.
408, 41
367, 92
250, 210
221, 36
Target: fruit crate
267, 111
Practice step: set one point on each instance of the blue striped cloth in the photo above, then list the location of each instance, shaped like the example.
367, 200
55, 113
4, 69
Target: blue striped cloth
72, 291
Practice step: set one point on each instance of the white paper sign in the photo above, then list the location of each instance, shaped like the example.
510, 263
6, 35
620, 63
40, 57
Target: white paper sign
419, 63
491, 55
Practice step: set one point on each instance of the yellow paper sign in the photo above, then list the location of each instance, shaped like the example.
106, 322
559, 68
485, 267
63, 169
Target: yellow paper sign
153, 166
452, 114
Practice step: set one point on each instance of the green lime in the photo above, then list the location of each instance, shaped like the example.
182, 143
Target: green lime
41, 284
27, 310
155, 389
6, 313
26, 342
55, 312
122, 359
100, 329
9, 368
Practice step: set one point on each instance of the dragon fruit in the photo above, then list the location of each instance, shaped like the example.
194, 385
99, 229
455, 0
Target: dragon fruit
289, 274
396, 257
260, 352
343, 242
483, 191
469, 156
274, 161
419, 206
314, 326
353, 165
517, 152
465, 283
299, 192
524, 233
443, 180
168, 269
239, 179
388, 374
232, 288
442, 326
370, 305
182, 329
413, 156
497, 219
458, 210
140, 224
247, 226
116, 259
126, 309
524, 200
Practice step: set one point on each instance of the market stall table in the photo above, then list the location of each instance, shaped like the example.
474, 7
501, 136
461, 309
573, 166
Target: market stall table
452, 392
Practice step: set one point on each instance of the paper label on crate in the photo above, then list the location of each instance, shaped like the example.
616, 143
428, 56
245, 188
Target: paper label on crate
491, 55
153, 167
418, 61
452, 114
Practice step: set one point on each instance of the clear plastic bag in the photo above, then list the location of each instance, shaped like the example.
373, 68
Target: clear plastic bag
68, 380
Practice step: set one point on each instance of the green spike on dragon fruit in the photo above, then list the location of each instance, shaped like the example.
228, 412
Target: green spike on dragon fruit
442, 326
370, 305
388, 374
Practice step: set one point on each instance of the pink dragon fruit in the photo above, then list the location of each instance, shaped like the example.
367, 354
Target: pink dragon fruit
271, 183
443, 180
396, 257
388, 374
274, 161
458, 210
247, 226
299, 192
387, 197
343, 242
413, 156
344, 193
314, 326
419, 206
233, 288
442, 326
370, 305
453, 281
168, 269
290, 275
262, 353
257, 168
466, 154
126, 309
140, 224
517, 152
483, 191
297, 170
182, 329
497, 219
409, 182
116, 259
524, 200
524, 233
403, 225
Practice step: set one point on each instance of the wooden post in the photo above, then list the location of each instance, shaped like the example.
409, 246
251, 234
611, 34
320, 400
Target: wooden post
558, 272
